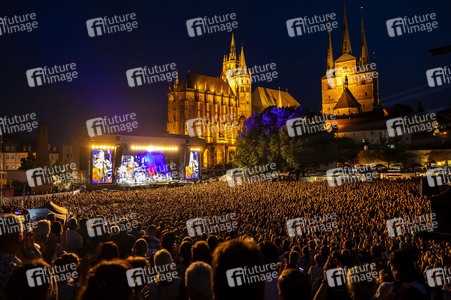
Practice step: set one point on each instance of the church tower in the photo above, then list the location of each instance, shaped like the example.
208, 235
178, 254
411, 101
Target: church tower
238, 77
349, 86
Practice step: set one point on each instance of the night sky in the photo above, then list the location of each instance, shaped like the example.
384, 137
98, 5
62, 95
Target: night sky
101, 88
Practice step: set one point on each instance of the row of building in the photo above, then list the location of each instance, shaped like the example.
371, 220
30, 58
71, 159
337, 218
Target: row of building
350, 90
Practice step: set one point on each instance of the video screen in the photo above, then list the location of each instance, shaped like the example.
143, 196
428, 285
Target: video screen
143, 168
192, 170
102, 166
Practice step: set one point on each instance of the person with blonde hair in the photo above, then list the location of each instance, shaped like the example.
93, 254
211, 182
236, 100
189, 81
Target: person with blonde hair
165, 283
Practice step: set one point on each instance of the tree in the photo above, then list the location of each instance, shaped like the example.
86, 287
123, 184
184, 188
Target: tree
28, 162
392, 151
265, 139
439, 155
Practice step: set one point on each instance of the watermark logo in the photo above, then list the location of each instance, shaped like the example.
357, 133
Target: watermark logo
42, 275
110, 25
141, 276
412, 124
9, 226
50, 75
148, 75
102, 225
111, 125
211, 225
355, 75
438, 176
12, 225
238, 176
41, 176
18, 23
258, 73
408, 25
307, 125
252, 274
17, 124
339, 276
308, 25
205, 126
96, 227
306, 225
399, 226
209, 25
336, 277
438, 76
438, 276
338, 176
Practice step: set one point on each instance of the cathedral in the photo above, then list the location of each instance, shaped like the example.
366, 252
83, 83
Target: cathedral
350, 90
350, 85
219, 100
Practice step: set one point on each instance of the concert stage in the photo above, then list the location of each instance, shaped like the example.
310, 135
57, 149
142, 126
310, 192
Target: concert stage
135, 162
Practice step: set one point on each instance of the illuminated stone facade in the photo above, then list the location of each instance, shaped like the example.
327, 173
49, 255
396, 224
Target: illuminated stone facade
350, 85
225, 101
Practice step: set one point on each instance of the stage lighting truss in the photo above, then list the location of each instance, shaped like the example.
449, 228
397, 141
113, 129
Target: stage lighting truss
154, 148
103, 147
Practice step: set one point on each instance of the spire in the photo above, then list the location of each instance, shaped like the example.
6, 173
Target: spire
346, 46
232, 49
176, 82
242, 60
330, 53
364, 58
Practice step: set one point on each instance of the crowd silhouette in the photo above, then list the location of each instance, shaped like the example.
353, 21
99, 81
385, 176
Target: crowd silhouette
147, 229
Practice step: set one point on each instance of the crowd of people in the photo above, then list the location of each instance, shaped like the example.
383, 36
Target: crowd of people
149, 229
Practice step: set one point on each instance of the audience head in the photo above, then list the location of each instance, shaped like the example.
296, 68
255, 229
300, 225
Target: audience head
19, 287
108, 280
140, 247
109, 251
198, 281
12, 234
231, 255
201, 252
294, 284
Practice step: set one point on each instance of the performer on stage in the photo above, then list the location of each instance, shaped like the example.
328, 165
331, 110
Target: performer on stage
131, 171
101, 171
